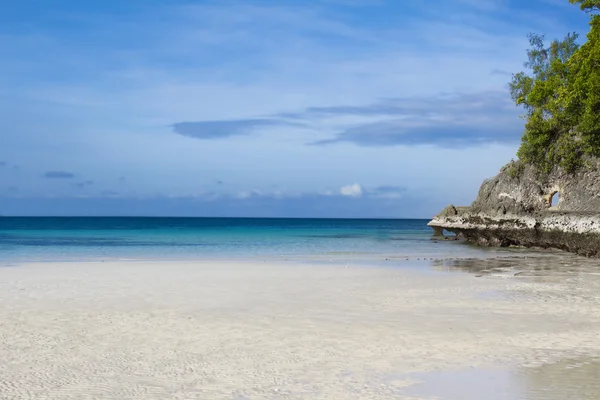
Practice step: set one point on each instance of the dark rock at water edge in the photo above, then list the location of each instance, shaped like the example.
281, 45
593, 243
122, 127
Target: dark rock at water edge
523, 207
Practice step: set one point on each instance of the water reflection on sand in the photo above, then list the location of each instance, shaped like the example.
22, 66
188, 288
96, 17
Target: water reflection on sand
571, 378
568, 379
546, 267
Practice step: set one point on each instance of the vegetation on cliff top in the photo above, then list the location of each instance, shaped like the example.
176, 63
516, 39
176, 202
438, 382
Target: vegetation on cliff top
561, 98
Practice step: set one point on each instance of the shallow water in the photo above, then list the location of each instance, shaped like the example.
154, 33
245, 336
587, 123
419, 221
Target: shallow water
541, 266
68, 239
567, 379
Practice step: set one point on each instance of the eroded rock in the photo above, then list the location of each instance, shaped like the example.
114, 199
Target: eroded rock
515, 209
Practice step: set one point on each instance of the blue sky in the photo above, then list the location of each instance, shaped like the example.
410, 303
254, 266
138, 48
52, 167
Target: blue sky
324, 108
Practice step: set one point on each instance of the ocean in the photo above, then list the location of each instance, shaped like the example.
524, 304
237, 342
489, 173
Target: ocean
92, 238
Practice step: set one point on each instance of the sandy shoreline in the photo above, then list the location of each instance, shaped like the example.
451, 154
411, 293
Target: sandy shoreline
286, 330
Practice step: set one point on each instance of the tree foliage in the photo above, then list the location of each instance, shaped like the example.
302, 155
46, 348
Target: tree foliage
587, 5
561, 98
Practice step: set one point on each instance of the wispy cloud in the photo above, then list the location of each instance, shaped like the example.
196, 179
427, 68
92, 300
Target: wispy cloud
388, 192
486, 5
84, 184
400, 132
58, 175
502, 72
355, 3
452, 120
227, 128
461, 120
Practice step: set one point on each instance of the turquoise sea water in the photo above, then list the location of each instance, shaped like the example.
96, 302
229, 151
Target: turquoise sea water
47, 238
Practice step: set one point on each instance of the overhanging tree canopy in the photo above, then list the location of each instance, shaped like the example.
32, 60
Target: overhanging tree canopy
561, 98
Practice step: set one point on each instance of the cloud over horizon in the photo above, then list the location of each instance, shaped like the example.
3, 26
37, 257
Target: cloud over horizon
354, 190
253, 204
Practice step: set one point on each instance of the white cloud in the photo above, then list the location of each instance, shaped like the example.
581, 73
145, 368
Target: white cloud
245, 194
326, 193
353, 190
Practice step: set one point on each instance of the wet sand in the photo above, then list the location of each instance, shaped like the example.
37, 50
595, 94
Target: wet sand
500, 329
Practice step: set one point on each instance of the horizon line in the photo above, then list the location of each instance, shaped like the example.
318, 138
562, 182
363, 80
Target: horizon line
205, 217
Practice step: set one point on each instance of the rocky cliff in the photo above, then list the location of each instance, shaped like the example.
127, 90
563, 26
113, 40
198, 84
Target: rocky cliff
516, 208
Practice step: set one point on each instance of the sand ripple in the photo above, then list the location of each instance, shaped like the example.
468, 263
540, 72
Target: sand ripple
248, 330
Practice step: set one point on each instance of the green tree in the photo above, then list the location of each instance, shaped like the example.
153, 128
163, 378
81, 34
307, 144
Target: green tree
587, 5
582, 98
561, 98
541, 95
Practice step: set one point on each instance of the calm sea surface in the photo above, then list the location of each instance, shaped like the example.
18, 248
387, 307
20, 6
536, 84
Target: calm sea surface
47, 239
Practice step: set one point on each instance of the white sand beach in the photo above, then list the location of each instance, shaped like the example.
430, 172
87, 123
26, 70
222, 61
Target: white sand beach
284, 330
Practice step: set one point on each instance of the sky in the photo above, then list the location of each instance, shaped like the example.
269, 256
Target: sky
260, 108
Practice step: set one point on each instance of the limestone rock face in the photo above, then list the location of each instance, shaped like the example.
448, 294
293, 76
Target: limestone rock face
516, 208
522, 189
